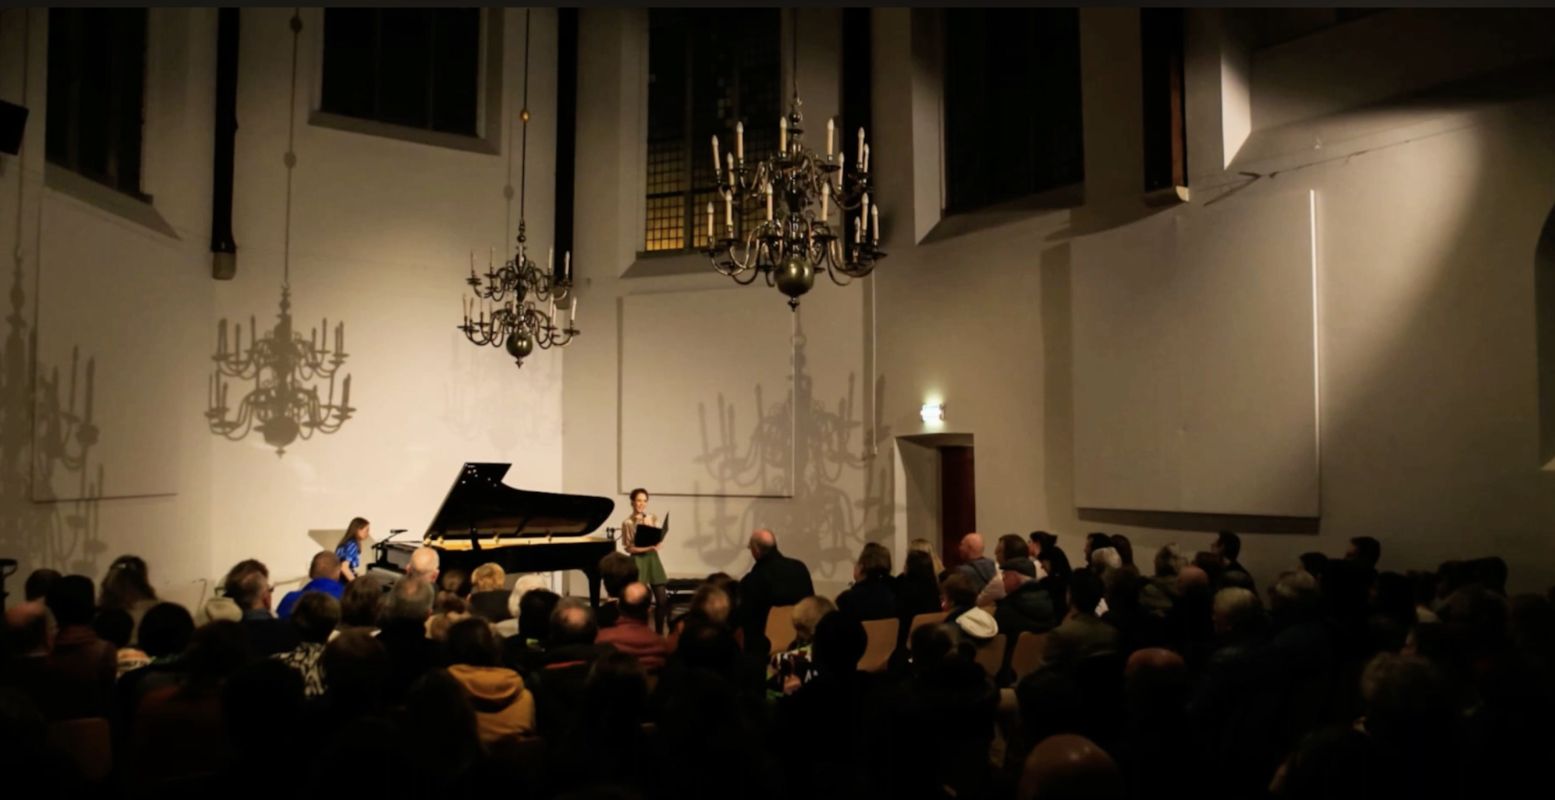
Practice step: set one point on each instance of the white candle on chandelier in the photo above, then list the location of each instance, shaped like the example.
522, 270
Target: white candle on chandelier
709, 222
550, 314
861, 148
769, 201
550, 259
717, 162
874, 215
858, 230
782, 134
572, 317
739, 141
866, 158
830, 129
825, 201
729, 212
567, 268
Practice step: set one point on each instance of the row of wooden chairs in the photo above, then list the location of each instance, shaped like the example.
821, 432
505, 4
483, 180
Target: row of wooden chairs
1024, 659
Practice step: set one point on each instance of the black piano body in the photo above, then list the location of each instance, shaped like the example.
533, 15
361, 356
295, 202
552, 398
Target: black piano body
484, 520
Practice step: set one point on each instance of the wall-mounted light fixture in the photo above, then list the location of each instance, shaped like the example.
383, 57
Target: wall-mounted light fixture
932, 412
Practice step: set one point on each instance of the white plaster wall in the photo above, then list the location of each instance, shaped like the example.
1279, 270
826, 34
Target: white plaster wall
381, 234
1430, 430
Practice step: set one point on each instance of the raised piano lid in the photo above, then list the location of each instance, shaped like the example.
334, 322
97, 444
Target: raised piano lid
480, 505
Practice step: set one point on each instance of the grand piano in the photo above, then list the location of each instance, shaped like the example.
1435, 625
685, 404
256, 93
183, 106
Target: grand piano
483, 519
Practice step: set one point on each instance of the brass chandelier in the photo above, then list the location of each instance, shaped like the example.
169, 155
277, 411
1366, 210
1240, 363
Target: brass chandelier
799, 188
507, 310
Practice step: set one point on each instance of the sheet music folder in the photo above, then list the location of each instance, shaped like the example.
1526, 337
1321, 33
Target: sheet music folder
648, 536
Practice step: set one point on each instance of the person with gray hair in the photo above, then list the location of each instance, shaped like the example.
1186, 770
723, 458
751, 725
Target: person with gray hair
402, 630
424, 564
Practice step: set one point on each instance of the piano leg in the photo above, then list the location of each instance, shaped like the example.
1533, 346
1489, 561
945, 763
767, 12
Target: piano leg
592, 574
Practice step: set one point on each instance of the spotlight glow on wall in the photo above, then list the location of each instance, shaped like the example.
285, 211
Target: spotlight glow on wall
932, 412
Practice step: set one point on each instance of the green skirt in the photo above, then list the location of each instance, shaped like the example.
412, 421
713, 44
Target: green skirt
650, 570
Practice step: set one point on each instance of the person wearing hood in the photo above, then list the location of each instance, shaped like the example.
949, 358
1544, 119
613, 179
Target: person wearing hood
504, 707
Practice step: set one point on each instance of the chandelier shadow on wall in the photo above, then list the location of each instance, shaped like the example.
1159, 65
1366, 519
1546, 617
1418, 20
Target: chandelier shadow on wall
285, 371
506, 310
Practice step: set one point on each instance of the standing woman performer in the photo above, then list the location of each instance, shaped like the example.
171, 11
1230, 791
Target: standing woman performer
650, 570
350, 548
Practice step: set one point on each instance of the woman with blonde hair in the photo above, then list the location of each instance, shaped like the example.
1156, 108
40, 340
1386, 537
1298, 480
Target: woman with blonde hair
789, 669
488, 592
925, 546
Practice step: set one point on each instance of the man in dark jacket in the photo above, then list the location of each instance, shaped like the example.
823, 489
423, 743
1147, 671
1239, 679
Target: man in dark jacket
774, 580
873, 595
1026, 605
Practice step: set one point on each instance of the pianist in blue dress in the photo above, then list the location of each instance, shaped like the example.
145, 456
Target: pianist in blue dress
650, 570
350, 548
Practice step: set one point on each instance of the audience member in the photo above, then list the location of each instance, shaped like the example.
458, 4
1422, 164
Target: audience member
917, 588
1082, 633
1364, 549
927, 548
115, 627
127, 586
616, 571
360, 604
1068, 767
81, 666
314, 618
488, 593
632, 633
38, 582
252, 592
774, 580
323, 577
403, 633
503, 705
974, 565
872, 595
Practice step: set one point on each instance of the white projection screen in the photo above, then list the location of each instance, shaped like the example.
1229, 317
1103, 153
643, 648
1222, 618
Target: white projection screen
1195, 361
706, 393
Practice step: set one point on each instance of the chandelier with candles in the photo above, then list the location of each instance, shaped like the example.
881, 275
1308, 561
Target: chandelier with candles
799, 188
507, 309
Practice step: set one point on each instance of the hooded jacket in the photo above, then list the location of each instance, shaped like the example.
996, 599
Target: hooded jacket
504, 707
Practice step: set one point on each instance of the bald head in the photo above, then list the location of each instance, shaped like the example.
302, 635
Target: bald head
634, 601
1192, 578
1066, 767
971, 546
423, 564
1153, 679
1157, 660
762, 542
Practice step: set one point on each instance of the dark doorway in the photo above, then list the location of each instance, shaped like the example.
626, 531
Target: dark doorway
958, 500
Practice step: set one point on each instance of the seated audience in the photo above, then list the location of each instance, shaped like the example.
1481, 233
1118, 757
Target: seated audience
115, 627
38, 582
1082, 633
403, 632
774, 580
488, 593
974, 565
127, 587
323, 577
252, 592
314, 618
927, 548
1068, 767
616, 571
917, 588
958, 595
360, 604
503, 705
871, 596
791, 667
1026, 606
632, 634
81, 666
